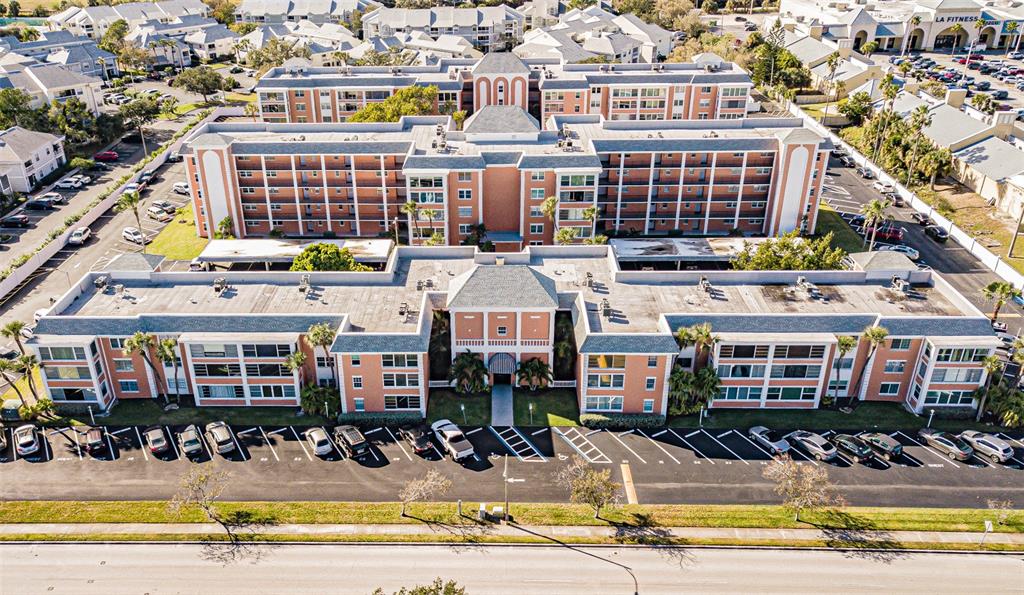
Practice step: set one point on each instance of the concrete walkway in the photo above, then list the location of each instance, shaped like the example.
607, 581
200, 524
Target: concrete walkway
501, 405
628, 534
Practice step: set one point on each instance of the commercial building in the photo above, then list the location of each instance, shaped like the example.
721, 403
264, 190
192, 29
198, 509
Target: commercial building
27, 157
756, 176
777, 332
708, 88
488, 28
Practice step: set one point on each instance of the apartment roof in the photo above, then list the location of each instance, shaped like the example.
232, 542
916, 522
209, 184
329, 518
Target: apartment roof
502, 286
849, 324
133, 12
301, 8
41, 77
17, 144
995, 158
443, 16
494, 119
114, 325
500, 63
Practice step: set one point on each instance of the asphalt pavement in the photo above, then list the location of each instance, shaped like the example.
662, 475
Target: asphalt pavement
111, 569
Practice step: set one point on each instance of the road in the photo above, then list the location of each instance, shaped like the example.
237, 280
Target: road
110, 569
846, 192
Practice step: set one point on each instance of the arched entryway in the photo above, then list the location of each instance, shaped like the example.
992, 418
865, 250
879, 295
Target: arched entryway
860, 39
948, 38
916, 39
988, 37
502, 367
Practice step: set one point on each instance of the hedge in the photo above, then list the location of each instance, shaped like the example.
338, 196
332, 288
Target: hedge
377, 419
75, 217
622, 420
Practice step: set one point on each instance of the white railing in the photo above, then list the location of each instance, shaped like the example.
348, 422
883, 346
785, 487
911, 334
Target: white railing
563, 384
469, 342
502, 342
535, 342
439, 384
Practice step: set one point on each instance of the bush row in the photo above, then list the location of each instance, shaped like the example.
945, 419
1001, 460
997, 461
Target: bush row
622, 420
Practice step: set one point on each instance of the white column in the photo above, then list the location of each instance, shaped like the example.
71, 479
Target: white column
679, 195
266, 192
327, 202
298, 207
618, 196
711, 191
192, 374
739, 195
650, 191
355, 193
245, 377
384, 193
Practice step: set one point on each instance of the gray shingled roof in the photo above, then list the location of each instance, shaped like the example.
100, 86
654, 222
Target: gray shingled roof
561, 160
115, 326
606, 343
945, 326
502, 286
501, 63
380, 343
135, 261
18, 144
501, 118
501, 157
383, 80
746, 323
444, 162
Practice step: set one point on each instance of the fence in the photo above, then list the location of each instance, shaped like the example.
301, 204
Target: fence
991, 261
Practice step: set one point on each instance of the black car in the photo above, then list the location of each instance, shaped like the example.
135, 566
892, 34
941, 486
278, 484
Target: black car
1000, 94
236, 69
983, 85
922, 219
18, 220
417, 436
936, 233
884, 445
352, 441
853, 447
38, 204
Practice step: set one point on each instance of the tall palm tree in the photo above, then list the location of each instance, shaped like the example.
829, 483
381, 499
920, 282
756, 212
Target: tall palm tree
844, 344
550, 208
874, 215
957, 29
167, 353
131, 201
993, 367
874, 336
832, 64
9, 371
869, 48
12, 330
914, 22
411, 209
294, 363
429, 214
1000, 292
252, 109
889, 92
699, 336
469, 373
936, 163
920, 119
27, 364
143, 344
590, 214
321, 336
1012, 28
978, 26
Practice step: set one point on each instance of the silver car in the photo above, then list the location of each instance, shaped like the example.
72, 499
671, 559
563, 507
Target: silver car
770, 440
319, 441
996, 449
813, 444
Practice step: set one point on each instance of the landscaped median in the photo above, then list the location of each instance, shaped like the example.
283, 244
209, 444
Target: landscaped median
677, 525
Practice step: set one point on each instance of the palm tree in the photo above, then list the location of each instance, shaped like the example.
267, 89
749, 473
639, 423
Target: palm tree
874, 336
252, 110
411, 209
832, 64
590, 214
142, 344
914, 22
889, 92
993, 367
936, 163
550, 207
12, 330
920, 119
869, 48
131, 201
1018, 358
243, 45
321, 335
874, 215
978, 26
1011, 28
294, 362
103, 67
469, 373
1000, 292
844, 344
699, 336
429, 214
27, 365
566, 235
175, 52
535, 372
956, 30
167, 353
9, 371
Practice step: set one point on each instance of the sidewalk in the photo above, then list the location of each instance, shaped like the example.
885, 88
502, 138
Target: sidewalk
686, 533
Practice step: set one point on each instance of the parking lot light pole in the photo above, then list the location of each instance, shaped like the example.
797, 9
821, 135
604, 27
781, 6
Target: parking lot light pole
462, 406
931, 414
531, 413
91, 418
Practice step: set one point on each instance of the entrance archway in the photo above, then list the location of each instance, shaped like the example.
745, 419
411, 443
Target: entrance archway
502, 367
947, 38
988, 37
916, 39
860, 39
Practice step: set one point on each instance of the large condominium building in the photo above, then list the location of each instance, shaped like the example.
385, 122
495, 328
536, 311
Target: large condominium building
708, 88
778, 332
93, 21
294, 11
759, 176
488, 28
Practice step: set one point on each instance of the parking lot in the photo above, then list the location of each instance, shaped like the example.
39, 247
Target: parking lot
669, 465
1016, 96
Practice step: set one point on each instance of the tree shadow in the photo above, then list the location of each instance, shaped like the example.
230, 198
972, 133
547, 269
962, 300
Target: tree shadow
469, 531
642, 529
242, 543
859, 537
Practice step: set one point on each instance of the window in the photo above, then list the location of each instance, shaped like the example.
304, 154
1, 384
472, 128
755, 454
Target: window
217, 370
740, 393
502, 331
536, 228
741, 371
840, 386
272, 391
124, 365
843, 364
895, 366
222, 391
275, 370
606, 361
577, 180
899, 344
465, 194
796, 371
537, 176
129, 386
213, 350
652, 361
61, 353
648, 405
604, 403
743, 351
889, 389
117, 342
961, 355
465, 212
399, 360
357, 382
266, 350
948, 397
401, 380
401, 402
360, 404
605, 380
465, 229
799, 351
651, 382
356, 361
972, 375
537, 193
790, 393
465, 176
67, 372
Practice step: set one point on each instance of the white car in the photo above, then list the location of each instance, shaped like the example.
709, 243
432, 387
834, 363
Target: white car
133, 235
319, 441
68, 184
772, 441
131, 187
80, 236
158, 214
54, 197
909, 252
84, 179
25, 440
881, 186
180, 188
39, 314
452, 439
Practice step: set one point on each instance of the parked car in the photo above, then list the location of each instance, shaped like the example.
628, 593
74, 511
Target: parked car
236, 70
770, 440
95, 441
922, 219
197, 266
219, 434
181, 188
883, 445
982, 85
84, 179
319, 441
38, 204
80, 236
946, 443
68, 184
17, 220
131, 187
417, 436
54, 197
866, 173
909, 252
352, 441
750, 27
936, 233
158, 214
847, 161
145, 177
165, 206
133, 235
853, 447
155, 439
996, 449
3, 439
1000, 94
190, 441
813, 444
886, 233
26, 440
881, 186
1015, 55
452, 439
106, 156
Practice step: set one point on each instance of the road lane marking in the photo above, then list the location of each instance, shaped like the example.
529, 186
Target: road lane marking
733, 453
142, 444
691, 434
398, 442
678, 462
540, 431
272, 449
692, 447
628, 448
627, 484
300, 440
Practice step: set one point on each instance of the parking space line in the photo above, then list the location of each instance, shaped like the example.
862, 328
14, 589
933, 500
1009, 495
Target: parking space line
435, 449
299, 440
238, 446
692, 447
731, 451
473, 431
273, 450
244, 432
333, 445
373, 430
529, 453
540, 431
395, 438
170, 437
628, 448
142, 445
73, 436
796, 450
564, 435
654, 442
275, 432
115, 433
14, 447
930, 449
593, 432
206, 447
1007, 438
754, 444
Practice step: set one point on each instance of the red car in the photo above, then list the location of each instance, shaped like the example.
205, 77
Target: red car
886, 233
106, 156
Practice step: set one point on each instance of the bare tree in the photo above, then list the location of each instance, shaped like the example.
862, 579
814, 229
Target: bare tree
588, 486
802, 487
424, 488
1002, 508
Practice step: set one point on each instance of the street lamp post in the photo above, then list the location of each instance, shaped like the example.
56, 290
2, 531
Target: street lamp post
462, 406
531, 413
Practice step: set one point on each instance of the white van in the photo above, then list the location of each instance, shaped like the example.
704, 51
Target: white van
181, 188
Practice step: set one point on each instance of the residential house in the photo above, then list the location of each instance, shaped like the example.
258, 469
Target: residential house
46, 82
76, 53
27, 157
488, 28
93, 21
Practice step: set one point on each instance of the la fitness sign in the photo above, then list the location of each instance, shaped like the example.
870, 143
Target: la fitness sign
960, 19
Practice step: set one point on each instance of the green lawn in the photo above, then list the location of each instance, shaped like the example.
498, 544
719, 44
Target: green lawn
445, 403
22, 384
149, 411
843, 235
178, 241
551, 407
867, 416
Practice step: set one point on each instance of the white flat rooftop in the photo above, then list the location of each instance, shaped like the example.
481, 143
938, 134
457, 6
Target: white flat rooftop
275, 250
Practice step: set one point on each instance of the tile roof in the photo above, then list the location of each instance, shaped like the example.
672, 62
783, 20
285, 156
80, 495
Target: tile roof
945, 326
502, 286
494, 119
500, 63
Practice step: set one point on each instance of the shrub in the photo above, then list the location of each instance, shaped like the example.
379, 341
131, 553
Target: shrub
600, 421
376, 419
313, 399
